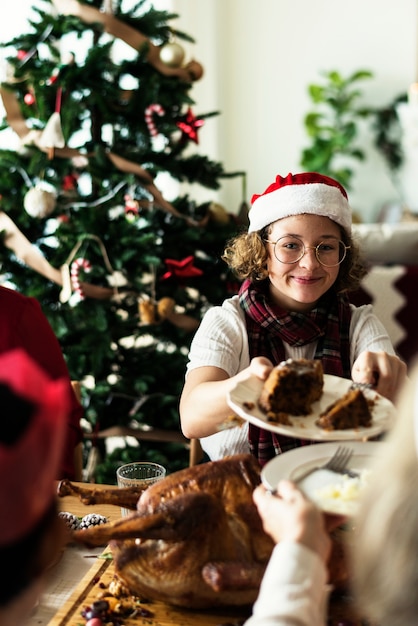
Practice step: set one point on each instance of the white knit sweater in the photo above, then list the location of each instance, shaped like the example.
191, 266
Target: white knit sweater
221, 341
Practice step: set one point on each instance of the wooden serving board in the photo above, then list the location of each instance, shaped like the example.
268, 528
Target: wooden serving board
90, 589
98, 578
101, 573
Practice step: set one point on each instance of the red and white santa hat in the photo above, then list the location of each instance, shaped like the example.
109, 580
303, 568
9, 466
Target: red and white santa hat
296, 194
31, 442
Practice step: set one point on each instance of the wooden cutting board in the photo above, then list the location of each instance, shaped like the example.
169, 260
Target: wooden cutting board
98, 578
91, 588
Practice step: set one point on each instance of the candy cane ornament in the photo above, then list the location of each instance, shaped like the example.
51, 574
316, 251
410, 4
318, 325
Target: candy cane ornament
76, 265
149, 118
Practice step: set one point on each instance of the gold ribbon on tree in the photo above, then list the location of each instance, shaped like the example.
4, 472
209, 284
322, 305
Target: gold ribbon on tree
30, 137
87, 289
29, 254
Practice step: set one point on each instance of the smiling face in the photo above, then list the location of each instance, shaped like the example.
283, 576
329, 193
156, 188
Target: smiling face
298, 286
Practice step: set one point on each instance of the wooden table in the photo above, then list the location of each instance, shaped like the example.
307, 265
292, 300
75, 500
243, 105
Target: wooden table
95, 574
73, 566
73, 505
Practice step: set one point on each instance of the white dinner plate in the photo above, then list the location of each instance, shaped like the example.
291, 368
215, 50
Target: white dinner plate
243, 400
292, 464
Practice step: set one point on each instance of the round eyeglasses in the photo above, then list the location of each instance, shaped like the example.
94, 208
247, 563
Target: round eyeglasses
329, 253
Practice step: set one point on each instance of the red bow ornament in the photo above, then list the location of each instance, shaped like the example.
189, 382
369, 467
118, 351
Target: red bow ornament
181, 269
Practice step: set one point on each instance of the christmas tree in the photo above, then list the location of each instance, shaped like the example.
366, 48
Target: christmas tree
123, 274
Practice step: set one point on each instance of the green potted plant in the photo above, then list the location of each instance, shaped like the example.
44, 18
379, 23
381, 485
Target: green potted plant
333, 125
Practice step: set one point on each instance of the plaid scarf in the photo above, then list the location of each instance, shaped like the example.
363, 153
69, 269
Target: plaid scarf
268, 326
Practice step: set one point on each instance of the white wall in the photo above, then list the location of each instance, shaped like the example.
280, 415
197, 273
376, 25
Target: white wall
259, 58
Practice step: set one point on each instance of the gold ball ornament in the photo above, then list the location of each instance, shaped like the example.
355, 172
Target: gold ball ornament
172, 54
165, 307
39, 202
218, 213
146, 310
151, 312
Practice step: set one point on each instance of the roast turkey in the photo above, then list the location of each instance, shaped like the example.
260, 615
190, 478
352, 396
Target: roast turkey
195, 540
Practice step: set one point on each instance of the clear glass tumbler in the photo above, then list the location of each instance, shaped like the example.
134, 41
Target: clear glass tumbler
139, 473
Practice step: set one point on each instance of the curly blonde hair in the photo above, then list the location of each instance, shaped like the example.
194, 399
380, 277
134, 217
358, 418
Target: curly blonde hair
246, 255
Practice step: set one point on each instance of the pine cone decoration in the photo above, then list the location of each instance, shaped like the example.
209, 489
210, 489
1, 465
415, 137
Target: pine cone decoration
72, 521
92, 519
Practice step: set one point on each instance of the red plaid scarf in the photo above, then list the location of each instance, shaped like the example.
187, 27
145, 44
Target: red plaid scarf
269, 325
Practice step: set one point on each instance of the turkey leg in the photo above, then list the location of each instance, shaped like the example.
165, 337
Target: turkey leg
126, 497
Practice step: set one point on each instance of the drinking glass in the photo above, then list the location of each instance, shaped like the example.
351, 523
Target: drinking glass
139, 473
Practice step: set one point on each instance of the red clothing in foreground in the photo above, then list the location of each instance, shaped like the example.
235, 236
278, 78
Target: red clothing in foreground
24, 325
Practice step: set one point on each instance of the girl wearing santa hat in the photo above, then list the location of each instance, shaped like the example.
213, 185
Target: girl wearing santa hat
296, 262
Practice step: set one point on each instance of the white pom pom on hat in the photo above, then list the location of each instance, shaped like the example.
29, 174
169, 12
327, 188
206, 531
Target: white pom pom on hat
296, 194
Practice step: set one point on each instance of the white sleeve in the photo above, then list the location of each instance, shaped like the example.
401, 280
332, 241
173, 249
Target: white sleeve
226, 443
221, 340
367, 333
293, 591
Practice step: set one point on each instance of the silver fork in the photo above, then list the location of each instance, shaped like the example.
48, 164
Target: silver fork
362, 386
337, 463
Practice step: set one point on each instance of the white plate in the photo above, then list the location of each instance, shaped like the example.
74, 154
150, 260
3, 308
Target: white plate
246, 394
295, 462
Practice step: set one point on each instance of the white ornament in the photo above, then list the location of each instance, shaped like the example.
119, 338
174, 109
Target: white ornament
117, 279
39, 202
52, 136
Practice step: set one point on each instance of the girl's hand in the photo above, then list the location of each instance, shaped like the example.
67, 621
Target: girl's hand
387, 373
261, 367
